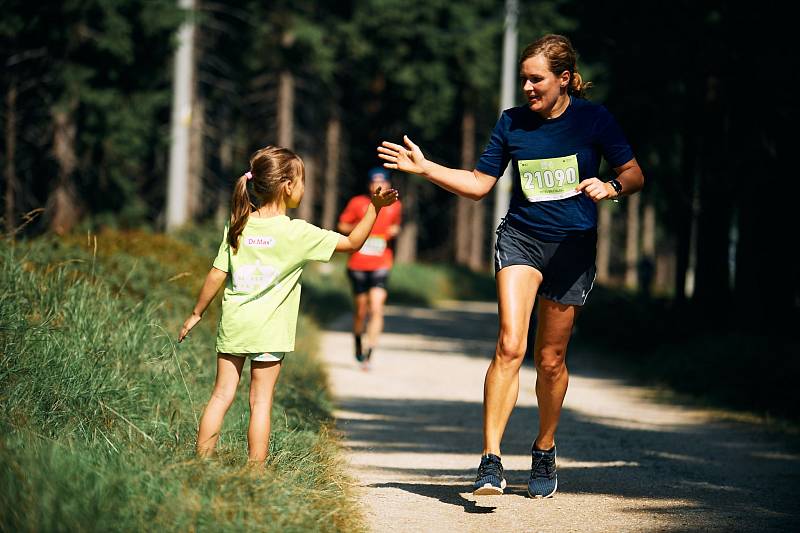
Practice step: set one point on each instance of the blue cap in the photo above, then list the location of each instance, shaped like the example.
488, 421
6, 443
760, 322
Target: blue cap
378, 174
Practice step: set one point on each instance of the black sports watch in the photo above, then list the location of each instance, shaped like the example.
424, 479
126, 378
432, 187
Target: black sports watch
617, 186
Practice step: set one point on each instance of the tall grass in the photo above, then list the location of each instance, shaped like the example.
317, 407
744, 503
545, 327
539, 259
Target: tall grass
99, 406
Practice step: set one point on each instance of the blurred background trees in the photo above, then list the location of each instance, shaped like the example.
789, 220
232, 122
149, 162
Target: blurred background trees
698, 88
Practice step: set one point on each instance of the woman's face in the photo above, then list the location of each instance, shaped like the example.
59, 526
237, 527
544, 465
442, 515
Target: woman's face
541, 86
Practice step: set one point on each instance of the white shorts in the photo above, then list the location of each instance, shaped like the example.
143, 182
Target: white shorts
273, 357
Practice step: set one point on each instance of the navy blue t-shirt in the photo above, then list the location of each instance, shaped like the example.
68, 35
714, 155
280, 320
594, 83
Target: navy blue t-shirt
570, 145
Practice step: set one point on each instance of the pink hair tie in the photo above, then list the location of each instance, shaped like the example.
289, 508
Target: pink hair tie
248, 175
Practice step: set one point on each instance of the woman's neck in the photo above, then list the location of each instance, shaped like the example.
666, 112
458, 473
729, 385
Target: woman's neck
270, 210
559, 107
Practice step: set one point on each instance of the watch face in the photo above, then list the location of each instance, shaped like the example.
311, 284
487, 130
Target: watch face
617, 185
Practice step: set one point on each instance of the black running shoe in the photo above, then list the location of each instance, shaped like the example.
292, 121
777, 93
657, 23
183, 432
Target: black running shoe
490, 476
359, 353
543, 481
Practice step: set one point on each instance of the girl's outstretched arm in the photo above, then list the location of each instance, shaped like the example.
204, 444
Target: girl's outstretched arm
409, 158
353, 242
214, 281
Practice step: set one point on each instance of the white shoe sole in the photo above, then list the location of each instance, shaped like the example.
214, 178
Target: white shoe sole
490, 490
540, 497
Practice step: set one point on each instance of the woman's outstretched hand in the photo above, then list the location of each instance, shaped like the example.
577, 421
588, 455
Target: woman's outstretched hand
407, 158
382, 198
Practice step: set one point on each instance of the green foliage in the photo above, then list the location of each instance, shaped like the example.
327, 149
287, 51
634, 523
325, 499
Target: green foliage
105, 64
99, 406
677, 347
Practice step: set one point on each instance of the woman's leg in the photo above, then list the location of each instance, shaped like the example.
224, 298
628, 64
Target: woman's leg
552, 338
229, 370
516, 292
263, 376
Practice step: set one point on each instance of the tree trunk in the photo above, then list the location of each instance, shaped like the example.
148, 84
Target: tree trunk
11, 148
712, 283
194, 190
647, 261
178, 210
632, 241
306, 208
62, 204
603, 242
225, 155
684, 217
330, 199
764, 261
464, 206
463, 226
407, 241
477, 256
286, 110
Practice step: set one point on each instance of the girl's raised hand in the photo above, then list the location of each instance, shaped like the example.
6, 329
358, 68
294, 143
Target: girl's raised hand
188, 325
407, 158
383, 198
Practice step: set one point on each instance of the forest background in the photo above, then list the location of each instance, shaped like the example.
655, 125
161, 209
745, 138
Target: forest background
702, 91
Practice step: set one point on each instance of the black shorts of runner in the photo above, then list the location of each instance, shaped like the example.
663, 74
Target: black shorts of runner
568, 267
363, 280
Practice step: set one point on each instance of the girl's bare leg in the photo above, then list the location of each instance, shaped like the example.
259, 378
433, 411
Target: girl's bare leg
229, 370
263, 376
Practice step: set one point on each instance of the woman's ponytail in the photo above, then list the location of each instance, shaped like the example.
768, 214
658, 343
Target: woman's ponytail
577, 86
240, 211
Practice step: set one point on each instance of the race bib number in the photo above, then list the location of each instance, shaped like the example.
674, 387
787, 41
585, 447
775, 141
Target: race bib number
544, 180
374, 246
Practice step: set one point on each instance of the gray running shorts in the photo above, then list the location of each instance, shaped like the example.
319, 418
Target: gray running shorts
567, 267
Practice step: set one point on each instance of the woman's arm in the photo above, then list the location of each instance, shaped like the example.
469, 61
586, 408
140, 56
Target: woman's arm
358, 236
470, 184
214, 281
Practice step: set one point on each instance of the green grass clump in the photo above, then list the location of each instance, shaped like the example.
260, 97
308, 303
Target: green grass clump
99, 406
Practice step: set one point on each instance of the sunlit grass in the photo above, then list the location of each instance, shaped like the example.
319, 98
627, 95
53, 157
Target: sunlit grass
99, 406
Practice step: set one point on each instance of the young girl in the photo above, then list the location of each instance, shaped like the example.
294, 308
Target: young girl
260, 261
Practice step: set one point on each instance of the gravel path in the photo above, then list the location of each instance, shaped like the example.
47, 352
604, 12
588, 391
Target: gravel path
627, 461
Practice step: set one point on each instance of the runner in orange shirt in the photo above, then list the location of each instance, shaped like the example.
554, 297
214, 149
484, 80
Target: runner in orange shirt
368, 269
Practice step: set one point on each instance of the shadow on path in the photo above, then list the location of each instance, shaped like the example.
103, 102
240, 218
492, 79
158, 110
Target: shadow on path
713, 472
721, 466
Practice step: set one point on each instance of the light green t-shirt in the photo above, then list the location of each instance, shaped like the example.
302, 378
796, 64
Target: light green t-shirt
262, 292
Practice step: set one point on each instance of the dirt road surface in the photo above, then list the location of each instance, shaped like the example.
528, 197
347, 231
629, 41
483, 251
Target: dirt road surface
628, 461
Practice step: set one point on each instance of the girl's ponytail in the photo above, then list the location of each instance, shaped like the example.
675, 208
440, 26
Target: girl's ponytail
270, 167
240, 211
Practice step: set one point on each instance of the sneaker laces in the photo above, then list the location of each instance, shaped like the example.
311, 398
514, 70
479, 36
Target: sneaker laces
544, 465
490, 467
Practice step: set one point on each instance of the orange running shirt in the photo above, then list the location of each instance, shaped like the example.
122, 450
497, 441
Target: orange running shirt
376, 253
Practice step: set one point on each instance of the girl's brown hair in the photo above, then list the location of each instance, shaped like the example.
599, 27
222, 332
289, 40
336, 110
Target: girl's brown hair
562, 56
270, 167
